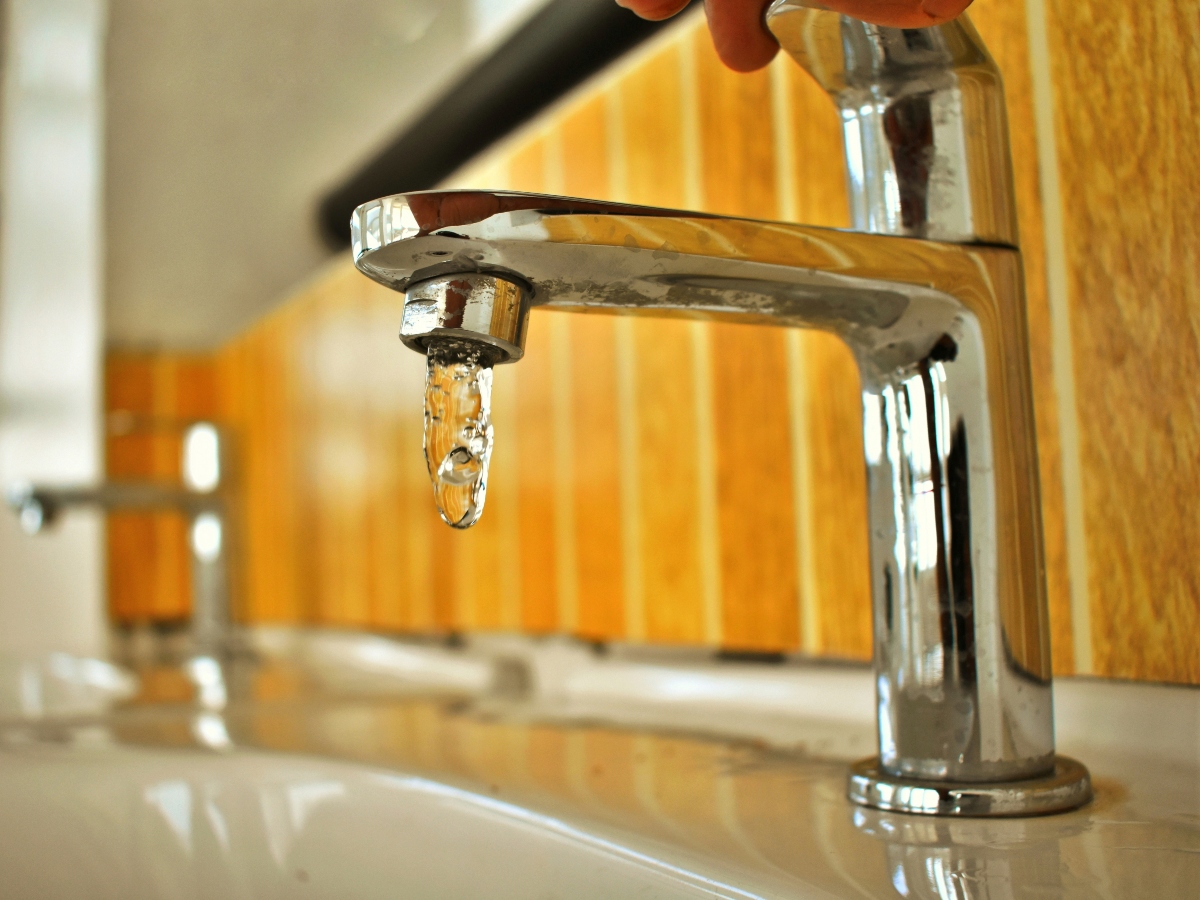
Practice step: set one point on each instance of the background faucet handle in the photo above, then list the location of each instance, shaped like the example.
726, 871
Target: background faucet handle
33, 510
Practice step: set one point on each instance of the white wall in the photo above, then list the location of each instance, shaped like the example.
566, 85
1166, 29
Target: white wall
51, 316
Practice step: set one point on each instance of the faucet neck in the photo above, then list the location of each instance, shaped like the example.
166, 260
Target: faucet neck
923, 122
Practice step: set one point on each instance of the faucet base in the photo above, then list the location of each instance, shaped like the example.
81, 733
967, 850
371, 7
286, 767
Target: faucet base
1069, 786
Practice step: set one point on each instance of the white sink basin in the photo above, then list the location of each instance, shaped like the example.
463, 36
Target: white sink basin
404, 797
133, 823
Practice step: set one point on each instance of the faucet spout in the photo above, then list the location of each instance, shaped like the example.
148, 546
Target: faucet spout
928, 296
204, 502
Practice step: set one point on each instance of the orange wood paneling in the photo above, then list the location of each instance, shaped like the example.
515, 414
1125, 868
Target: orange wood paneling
597, 478
534, 436
667, 480
1128, 123
837, 584
749, 378
652, 152
150, 399
1003, 27
644, 484
838, 504
258, 384
338, 456
390, 514
836, 589
584, 137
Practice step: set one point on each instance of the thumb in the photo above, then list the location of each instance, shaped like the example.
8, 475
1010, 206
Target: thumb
653, 9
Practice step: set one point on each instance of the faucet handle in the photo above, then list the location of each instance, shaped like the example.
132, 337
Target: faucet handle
923, 121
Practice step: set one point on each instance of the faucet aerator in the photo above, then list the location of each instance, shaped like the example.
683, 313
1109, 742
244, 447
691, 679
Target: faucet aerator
472, 309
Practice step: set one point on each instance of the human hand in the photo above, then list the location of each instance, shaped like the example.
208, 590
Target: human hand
744, 44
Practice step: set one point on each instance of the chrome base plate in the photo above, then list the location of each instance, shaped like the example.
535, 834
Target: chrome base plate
1067, 787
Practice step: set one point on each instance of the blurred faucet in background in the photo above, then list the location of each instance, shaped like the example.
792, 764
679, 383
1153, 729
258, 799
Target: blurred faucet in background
202, 499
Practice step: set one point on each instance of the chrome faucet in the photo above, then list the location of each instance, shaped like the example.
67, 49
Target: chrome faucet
202, 500
928, 294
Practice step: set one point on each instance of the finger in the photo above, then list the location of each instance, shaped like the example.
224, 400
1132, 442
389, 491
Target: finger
900, 13
944, 10
653, 9
739, 34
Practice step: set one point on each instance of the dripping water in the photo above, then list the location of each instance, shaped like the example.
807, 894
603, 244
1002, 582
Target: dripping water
458, 427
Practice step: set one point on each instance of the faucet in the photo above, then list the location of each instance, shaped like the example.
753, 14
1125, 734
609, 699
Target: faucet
928, 294
202, 499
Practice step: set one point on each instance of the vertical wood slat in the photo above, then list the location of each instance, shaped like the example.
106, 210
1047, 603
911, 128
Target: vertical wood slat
663, 416
150, 398
1003, 28
534, 436
389, 517
749, 378
835, 532
133, 560
258, 386
1128, 123
338, 457
584, 144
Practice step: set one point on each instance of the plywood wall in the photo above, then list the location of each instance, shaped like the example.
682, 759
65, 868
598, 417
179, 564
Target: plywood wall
680, 482
150, 400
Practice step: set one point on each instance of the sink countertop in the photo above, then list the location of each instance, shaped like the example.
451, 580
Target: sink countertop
303, 793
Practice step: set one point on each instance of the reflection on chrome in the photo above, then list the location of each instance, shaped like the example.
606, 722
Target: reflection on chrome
928, 295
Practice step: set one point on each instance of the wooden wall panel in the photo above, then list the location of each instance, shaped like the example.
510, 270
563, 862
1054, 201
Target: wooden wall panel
338, 457
1128, 124
150, 399
257, 386
584, 136
422, 523
601, 597
651, 157
637, 493
1004, 29
837, 512
667, 484
835, 568
136, 570
390, 511
749, 375
534, 436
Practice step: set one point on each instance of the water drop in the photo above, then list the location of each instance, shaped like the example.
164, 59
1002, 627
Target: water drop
458, 428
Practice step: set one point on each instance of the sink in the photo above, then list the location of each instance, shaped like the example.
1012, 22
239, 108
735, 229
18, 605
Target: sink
124, 822
375, 794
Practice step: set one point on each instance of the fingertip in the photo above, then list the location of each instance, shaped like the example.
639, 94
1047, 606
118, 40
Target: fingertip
748, 58
739, 34
944, 10
653, 10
